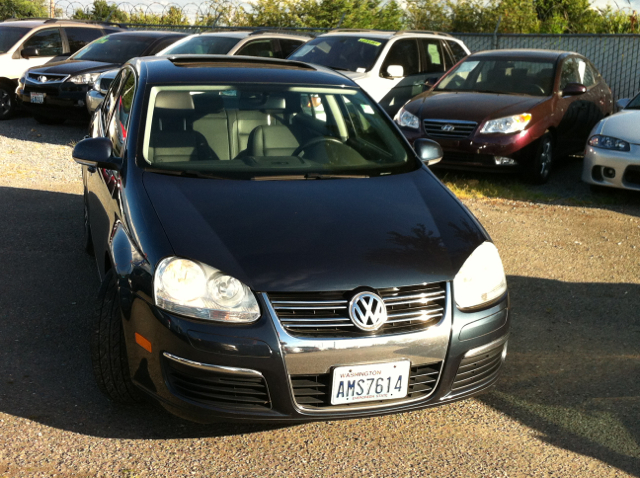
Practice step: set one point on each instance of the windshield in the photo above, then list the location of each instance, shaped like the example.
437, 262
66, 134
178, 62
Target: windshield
203, 45
534, 78
271, 132
634, 104
114, 49
341, 52
9, 36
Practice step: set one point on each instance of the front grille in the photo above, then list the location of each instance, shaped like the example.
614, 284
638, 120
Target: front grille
325, 314
452, 129
217, 389
632, 175
51, 90
50, 78
314, 391
477, 370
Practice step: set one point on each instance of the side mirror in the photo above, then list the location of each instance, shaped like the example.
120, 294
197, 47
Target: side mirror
574, 89
428, 151
29, 52
623, 102
96, 153
395, 71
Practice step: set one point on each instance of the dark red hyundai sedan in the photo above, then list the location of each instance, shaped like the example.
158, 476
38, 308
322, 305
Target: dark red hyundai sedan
510, 110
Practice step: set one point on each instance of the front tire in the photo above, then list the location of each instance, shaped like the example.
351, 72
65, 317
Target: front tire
541, 161
7, 102
108, 347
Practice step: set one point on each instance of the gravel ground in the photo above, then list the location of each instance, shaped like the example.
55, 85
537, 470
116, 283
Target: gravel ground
567, 404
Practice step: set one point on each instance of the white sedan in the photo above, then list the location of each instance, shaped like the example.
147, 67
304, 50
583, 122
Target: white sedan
612, 157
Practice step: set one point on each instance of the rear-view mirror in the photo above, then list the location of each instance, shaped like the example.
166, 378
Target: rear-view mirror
96, 153
428, 151
395, 71
574, 89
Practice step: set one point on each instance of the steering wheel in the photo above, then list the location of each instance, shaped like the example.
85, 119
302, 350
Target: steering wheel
533, 88
313, 142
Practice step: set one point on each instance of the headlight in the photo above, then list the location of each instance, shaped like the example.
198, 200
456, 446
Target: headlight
86, 79
481, 278
200, 291
407, 120
509, 124
607, 142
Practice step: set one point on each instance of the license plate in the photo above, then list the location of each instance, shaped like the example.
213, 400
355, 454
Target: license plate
365, 383
37, 97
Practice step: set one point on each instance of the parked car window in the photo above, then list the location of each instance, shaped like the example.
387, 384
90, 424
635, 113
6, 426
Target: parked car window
288, 46
406, 54
288, 133
9, 36
48, 42
120, 120
79, 37
162, 44
114, 48
435, 56
457, 51
634, 104
204, 45
257, 48
590, 76
341, 52
501, 76
572, 72
110, 97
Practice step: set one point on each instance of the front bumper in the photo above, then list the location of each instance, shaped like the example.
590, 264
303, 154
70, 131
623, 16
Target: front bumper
616, 169
463, 351
64, 102
479, 152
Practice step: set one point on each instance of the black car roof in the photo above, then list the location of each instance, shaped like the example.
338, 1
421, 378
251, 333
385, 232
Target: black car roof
521, 54
199, 69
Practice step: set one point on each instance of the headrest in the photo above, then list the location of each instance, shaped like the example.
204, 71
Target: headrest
174, 100
274, 103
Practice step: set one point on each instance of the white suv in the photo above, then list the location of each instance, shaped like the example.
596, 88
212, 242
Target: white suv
392, 67
28, 43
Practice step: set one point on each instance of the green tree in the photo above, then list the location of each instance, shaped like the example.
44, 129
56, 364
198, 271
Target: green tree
101, 11
23, 9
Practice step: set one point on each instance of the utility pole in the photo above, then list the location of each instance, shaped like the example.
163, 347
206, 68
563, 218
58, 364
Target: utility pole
52, 8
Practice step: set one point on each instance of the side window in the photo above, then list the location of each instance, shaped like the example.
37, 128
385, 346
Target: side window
435, 56
162, 45
79, 37
590, 76
119, 125
48, 42
570, 72
404, 53
289, 46
457, 51
110, 97
257, 48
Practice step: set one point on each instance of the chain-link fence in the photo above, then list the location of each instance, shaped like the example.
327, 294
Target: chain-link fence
616, 56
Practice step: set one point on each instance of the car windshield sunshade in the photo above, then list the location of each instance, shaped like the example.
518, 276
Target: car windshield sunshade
266, 131
9, 36
533, 78
341, 52
204, 45
114, 49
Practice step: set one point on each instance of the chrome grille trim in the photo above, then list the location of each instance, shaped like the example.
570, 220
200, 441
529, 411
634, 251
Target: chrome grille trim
461, 129
409, 309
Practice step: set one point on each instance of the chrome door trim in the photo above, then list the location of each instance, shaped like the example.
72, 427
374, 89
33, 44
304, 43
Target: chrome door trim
245, 372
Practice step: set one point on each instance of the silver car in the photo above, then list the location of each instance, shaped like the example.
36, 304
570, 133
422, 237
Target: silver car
612, 156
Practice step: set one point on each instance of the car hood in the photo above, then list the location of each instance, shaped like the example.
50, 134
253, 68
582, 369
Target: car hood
623, 125
318, 235
74, 67
471, 106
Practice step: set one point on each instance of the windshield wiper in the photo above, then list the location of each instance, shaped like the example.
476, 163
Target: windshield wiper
301, 177
339, 68
185, 173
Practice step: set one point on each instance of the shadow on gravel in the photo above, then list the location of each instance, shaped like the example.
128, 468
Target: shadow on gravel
26, 128
564, 187
573, 368
571, 374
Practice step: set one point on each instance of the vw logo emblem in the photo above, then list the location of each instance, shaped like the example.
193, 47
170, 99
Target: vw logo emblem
367, 311
42, 79
448, 128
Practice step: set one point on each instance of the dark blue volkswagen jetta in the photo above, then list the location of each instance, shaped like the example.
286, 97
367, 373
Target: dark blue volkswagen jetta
271, 248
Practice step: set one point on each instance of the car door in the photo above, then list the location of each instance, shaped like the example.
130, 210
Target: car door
104, 184
49, 44
404, 53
